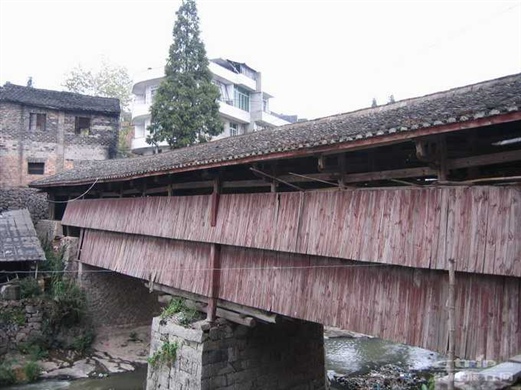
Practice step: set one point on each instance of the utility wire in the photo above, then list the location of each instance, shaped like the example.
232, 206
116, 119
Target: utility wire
78, 197
274, 268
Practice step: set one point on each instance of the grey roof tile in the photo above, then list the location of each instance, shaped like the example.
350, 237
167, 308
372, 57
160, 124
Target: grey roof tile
58, 100
491, 97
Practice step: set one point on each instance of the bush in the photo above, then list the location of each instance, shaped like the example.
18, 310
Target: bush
71, 303
29, 288
7, 374
35, 347
32, 371
83, 342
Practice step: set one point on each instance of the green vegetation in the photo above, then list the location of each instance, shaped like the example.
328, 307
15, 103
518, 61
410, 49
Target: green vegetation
71, 303
32, 371
185, 110
166, 355
185, 315
29, 288
83, 341
35, 347
7, 374
12, 316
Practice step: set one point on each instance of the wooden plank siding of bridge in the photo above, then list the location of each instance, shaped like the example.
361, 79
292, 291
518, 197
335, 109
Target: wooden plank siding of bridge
368, 260
480, 227
272, 211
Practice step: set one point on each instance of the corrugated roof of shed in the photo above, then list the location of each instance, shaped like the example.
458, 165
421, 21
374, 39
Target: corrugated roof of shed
18, 239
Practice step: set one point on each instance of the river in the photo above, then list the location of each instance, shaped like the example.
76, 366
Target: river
343, 356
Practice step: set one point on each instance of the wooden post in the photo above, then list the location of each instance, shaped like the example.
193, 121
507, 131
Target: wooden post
443, 167
215, 279
51, 206
80, 264
452, 324
342, 166
215, 201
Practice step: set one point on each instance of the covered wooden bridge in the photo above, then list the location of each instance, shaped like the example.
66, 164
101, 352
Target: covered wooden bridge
348, 220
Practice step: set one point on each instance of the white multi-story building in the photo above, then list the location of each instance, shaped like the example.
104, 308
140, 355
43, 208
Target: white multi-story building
244, 106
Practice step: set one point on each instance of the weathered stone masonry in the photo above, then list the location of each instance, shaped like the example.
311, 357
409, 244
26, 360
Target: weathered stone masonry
117, 299
54, 140
25, 198
19, 322
288, 355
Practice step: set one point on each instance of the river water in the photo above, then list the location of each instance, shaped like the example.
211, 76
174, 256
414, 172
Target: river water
343, 356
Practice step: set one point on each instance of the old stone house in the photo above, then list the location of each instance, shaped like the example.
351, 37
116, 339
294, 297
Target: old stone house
43, 132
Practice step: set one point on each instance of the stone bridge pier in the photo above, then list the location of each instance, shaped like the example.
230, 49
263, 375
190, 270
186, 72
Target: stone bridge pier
225, 355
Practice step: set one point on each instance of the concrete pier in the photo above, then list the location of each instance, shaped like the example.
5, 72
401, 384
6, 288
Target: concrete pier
289, 355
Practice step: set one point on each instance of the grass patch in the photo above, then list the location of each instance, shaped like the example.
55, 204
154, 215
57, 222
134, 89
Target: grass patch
32, 371
165, 355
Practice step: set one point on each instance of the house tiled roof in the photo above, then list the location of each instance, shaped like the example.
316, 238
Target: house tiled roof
459, 105
58, 100
18, 240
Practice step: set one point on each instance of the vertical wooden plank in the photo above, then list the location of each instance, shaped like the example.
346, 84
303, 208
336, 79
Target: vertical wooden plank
214, 275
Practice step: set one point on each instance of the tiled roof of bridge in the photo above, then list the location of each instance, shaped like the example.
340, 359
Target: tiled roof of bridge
58, 100
489, 98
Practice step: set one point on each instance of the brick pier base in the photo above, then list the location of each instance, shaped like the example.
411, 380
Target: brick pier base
289, 355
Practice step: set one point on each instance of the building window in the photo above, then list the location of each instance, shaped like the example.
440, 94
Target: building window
37, 121
234, 129
82, 125
35, 168
153, 92
223, 91
241, 98
139, 131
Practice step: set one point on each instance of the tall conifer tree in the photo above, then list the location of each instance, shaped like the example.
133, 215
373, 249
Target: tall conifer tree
185, 108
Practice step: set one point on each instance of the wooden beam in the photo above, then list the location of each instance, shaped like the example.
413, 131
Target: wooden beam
485, 159
245, 184
391, 174
277, 179
358, 144
258, 314
222, 313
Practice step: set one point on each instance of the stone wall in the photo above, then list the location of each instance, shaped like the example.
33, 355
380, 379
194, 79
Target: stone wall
289, 355
57, 145
19, 322
116, 299
21, 198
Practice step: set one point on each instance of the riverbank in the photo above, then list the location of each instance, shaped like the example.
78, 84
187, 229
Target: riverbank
114, 350
385, 377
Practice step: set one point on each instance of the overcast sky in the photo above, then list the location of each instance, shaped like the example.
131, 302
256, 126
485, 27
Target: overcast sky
317, 58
